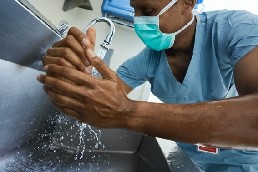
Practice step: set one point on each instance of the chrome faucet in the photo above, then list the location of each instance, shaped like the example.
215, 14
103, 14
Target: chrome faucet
104, 47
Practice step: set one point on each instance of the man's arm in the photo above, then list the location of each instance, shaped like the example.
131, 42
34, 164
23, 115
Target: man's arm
126, 87
103, 103
231, 122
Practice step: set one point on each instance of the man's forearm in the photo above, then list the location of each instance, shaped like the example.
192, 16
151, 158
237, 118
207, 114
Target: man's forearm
230, 123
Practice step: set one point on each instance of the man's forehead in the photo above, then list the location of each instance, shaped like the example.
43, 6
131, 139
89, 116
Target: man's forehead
135, 3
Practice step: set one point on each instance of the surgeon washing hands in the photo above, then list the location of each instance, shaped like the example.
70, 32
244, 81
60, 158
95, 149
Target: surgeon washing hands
203, 67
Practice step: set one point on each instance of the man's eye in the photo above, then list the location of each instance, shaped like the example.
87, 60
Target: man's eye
148, 12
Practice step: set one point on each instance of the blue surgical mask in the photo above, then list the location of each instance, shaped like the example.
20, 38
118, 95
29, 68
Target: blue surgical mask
147, 28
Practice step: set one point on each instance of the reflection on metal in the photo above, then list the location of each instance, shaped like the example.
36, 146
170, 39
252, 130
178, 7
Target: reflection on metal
26, 114
28, 118
104, 47
176, 158
63, 28
25, 111
24, 39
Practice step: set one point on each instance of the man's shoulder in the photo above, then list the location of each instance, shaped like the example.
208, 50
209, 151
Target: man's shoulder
228, 15
147, 54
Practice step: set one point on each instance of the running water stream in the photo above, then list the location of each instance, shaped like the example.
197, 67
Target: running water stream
71, 146
76, 137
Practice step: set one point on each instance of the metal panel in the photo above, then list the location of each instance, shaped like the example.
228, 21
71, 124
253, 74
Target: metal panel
25, 111
24, 38
27, 118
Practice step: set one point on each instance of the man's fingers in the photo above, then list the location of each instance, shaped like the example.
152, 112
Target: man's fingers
62, 101
77, 33
100, 65
57, 60
68, 55
75, 43
88, 40
91, 35
47, 60
77, 77
61, 86
71, 42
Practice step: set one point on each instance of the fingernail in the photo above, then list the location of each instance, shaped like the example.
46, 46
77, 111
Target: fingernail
85, 60
90, 53
45, 89
45, 67
38, 77
88, 69
85, 42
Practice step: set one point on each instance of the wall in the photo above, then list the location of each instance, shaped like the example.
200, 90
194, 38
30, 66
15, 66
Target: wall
125, 42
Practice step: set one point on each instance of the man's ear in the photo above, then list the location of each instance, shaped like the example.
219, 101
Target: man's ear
188, 6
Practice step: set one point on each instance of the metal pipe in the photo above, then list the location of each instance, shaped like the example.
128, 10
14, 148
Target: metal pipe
104, 47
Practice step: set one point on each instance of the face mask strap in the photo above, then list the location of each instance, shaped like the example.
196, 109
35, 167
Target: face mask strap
188, 24
167, 7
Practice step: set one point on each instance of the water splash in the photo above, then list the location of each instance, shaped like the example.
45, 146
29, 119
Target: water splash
76, 137
72, 146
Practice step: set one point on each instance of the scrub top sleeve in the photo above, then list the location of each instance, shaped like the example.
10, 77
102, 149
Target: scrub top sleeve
134, 71
242, 37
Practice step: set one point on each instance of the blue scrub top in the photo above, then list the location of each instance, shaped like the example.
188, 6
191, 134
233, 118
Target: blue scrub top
222, 38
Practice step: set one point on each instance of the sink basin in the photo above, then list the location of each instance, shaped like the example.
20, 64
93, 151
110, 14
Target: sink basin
40, 157
35, 139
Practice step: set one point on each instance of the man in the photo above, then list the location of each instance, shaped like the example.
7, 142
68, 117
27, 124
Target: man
205, 72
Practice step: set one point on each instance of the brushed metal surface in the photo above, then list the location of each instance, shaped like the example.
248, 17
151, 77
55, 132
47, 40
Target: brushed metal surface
30, 139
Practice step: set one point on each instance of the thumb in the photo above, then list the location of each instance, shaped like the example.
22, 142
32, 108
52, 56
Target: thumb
91, 35
100, 65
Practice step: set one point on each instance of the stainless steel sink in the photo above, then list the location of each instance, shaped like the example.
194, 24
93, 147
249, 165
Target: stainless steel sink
33, 140
34, 135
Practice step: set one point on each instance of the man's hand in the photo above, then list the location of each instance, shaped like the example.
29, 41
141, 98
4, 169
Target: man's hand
70, 51
99, 102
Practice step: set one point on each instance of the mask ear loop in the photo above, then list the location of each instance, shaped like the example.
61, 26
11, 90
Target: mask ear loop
185, 26
170, 5
167, 7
